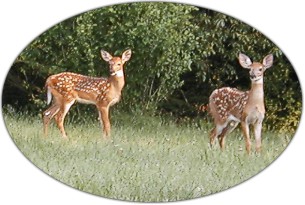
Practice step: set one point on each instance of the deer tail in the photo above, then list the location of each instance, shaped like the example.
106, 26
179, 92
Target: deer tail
49, 95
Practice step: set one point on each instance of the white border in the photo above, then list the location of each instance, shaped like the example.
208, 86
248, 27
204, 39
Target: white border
22, 183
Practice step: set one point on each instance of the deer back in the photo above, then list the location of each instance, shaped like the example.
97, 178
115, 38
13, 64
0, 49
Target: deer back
227, 102
72, 86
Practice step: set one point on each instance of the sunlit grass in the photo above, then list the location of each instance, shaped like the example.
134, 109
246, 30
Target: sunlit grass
148, 159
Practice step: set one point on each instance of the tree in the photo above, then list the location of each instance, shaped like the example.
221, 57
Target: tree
180, 54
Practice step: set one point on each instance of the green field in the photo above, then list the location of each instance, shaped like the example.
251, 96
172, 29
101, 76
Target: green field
149, 159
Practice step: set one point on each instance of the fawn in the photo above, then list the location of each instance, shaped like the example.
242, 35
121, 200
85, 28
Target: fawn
229, 106
67, 88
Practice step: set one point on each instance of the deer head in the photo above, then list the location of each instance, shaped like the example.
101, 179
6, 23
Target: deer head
116, 63
256, 69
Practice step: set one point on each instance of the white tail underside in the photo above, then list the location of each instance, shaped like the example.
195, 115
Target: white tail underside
49, 96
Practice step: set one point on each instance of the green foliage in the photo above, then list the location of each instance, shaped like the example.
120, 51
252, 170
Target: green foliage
180, 54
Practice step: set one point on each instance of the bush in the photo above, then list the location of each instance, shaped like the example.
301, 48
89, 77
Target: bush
180, 54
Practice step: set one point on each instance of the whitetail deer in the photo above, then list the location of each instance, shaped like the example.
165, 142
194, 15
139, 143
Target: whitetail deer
229, 106
67, 88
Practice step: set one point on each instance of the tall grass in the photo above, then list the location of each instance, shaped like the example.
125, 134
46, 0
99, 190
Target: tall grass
149, 158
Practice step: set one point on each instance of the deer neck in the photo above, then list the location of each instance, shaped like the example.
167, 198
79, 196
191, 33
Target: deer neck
256, 94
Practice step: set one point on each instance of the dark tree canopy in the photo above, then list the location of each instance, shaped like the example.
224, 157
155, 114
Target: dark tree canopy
180, 54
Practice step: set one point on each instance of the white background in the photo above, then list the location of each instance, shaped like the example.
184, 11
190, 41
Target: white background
282, 182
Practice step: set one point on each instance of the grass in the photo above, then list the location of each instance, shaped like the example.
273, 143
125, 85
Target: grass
149, 159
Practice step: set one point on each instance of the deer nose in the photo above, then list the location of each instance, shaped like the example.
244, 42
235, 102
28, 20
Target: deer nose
252, 76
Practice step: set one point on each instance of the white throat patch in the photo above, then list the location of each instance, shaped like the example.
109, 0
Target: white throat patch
258, 81
118, 73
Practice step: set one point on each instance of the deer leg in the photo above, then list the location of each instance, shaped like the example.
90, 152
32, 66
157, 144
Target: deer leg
48, 115
245, 129
227, 130
60, 117
104, 120
233, 125
215, 133
222, 136
212, 136
257, 134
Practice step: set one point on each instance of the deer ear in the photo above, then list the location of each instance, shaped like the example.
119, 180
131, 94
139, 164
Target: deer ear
126, 55
106, 56
268, 61
244, 61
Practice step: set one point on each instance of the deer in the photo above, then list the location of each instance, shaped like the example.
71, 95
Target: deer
230, 106
66, 88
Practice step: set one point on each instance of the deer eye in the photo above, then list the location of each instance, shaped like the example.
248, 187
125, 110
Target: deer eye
260, 69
